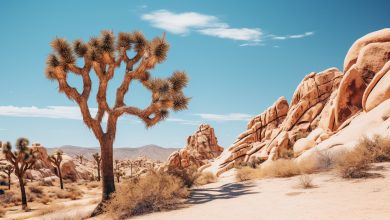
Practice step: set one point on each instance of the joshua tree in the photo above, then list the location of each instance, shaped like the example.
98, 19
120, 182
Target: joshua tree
104, 55
119, 173
98, 159
80, 157
7, 169
56, 159
22, 159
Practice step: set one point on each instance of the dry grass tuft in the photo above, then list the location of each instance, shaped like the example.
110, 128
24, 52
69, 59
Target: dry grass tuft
357, 162
305, 181
150, 193
277, 168
72, 193
36, 190
205, 178
247, 173
188, 175
9, 198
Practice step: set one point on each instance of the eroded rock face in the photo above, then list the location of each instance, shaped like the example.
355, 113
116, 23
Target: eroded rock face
201, 147
323, 105
272, 134
364, 60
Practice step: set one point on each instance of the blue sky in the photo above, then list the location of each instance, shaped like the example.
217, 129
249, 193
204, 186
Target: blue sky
240, 56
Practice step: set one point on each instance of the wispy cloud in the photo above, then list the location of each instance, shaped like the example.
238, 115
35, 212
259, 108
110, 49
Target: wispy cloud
59, 112
296, 36
186, 22
225, 117
65, 112
183, 121
183, 23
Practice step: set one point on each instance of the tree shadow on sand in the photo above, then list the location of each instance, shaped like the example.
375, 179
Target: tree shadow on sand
227, 191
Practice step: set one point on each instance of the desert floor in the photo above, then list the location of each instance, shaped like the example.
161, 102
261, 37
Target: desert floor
283, 198
276, 198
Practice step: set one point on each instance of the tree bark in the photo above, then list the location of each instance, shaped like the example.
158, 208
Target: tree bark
60, 175
98, 171
23, 192
107, 167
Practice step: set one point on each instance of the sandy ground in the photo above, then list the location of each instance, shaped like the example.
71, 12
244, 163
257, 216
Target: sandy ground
277, 198
283, 198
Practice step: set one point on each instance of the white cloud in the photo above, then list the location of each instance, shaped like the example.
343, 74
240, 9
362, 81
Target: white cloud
180, 23
242, 34
183, 121
183, 23
225, 117
296, 36
63, 112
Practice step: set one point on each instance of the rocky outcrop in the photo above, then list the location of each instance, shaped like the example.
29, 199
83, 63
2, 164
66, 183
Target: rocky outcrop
364, 60
201, 147
322, 105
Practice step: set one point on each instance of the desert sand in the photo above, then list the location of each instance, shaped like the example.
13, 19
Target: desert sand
283, 198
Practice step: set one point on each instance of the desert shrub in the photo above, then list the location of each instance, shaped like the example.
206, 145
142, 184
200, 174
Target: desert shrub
356, 162
9, 198
70, 193
2, 211
36, 190
70, 177
277, 168
247, 173
205, 178
305, 181
188, 175
149, 193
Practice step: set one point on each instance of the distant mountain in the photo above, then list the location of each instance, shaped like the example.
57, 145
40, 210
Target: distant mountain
151, 151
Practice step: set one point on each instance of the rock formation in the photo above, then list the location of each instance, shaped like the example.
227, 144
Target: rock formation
201, 147
323, 105
43, 168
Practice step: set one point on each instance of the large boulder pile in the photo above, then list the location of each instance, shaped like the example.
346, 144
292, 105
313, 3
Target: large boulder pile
322, 106
200, 149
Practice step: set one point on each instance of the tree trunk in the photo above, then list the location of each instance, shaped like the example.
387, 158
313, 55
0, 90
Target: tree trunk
107, 167
23, 192
117, 178
60, 175
9, 181
98, 171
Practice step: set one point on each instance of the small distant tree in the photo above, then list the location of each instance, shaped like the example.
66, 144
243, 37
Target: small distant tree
119, 173
22, 159
98, 159
7, 169
56, 159
81, 158
104, 56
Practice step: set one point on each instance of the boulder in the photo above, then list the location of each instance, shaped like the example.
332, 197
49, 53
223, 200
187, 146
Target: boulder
378, 90
364, 60
201, 147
